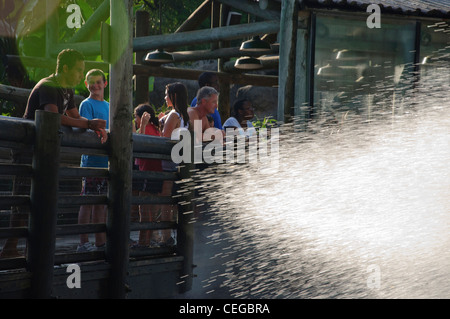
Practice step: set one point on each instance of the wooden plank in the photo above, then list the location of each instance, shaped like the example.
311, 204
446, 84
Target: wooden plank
88, 48
18, 232
83, 172
152, 156
145, 252
79, 257
65, 230
152, 199
14, 200
80, 137
155, 176
12, 263
152, 225
15, 170
77, 200
16, 129
154, 144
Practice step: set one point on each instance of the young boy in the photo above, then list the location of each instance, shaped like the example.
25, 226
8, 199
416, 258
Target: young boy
94, 107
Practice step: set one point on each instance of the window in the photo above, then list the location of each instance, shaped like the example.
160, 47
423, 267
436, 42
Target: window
360, 73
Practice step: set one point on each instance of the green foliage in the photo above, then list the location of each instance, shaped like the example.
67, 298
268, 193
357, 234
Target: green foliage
26, 34
267, 122
173, 13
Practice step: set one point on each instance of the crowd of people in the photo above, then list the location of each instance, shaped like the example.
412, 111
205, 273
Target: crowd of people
55, 93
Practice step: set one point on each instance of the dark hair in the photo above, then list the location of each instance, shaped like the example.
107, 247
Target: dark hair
68, 57
96, 72
177, 93
144, 107
205, 79
239, 105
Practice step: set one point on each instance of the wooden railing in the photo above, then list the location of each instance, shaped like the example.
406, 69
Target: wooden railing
50, 144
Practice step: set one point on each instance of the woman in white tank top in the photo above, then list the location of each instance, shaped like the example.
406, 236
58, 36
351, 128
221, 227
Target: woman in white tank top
176, 120
176, 96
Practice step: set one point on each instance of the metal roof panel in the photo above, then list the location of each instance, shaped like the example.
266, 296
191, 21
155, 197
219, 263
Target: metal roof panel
435, 8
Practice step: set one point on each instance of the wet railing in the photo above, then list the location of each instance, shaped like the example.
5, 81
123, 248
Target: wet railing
45, 163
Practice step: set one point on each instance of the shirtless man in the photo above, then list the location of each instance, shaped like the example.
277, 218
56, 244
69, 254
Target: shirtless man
207, 101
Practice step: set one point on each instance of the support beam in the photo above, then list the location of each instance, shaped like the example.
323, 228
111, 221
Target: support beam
196, 18
288, 37
178, 56
205, 35
87, 48
92, 24
121, 147
151, 70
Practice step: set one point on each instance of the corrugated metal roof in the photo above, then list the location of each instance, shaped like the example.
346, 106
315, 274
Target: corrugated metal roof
432, 8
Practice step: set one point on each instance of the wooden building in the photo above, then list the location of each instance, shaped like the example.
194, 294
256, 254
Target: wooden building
333, 59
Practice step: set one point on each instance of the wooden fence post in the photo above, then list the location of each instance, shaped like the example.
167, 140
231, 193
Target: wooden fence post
44, 203
121, 141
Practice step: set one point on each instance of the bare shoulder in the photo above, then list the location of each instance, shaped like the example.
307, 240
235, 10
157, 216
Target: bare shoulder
192, 112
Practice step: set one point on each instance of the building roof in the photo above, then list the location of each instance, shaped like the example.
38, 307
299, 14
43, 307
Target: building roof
427, 8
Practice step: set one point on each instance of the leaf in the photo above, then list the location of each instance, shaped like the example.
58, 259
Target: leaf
86, 9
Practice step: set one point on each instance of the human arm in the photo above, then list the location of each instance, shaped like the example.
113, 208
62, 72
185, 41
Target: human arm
74, 119
144, 122
171, 123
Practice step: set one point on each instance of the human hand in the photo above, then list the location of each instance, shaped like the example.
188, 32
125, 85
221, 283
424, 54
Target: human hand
96, 124
102, 134
145, 119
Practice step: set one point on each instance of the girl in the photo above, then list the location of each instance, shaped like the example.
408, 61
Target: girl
147, 123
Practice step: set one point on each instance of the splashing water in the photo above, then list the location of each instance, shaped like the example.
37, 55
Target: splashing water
360, 211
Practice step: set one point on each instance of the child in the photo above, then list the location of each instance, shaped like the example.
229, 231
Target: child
147, 123
94, 107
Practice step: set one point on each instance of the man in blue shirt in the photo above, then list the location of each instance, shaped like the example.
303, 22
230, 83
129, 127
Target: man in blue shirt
210, 79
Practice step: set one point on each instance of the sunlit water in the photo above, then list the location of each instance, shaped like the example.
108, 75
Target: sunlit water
355, 211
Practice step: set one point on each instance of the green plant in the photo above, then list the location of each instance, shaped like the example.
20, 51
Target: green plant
267, 122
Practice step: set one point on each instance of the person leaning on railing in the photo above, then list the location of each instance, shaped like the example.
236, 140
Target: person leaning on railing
55, 94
